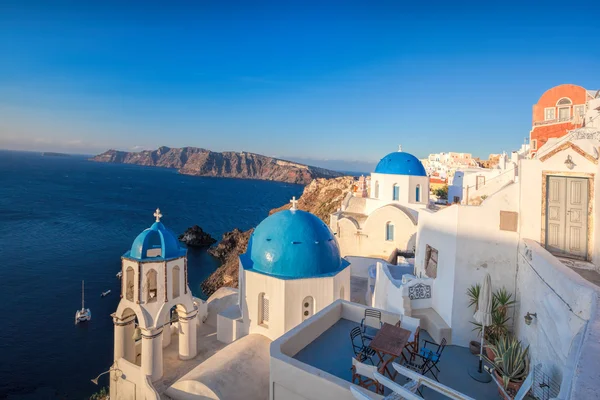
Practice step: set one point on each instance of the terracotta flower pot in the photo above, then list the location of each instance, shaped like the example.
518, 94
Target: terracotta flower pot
489, 353
513, 387
475, 347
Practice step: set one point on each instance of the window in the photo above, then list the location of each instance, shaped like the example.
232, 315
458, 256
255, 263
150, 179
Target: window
129, 284
534, 144
308, 307
342, 293
564, 101
389, 231
549, 113
418, 193
376, 189
564, 113
151, 286
431, 261
396, 195
175, 277
263, 309
579, 110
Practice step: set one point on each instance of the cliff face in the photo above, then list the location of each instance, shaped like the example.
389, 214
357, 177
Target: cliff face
202, 162
321, 197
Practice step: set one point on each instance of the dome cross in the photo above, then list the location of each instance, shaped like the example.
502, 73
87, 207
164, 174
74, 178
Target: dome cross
158, 215
294, 203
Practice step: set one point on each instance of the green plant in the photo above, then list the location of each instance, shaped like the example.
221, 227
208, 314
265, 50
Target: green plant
501, 303
102, 394
441, 192
511, 361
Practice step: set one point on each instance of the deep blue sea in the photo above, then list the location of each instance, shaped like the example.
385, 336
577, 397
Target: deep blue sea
64, 219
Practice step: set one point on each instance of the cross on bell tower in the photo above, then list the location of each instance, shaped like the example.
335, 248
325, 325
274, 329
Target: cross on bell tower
158, 215
294, 203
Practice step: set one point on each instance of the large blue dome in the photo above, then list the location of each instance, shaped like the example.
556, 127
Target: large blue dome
154, 238
400, 163
293, 244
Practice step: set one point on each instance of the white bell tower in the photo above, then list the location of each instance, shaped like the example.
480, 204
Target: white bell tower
154, 297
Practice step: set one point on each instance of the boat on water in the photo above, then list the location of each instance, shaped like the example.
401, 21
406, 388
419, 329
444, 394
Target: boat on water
103, 294
84, 314
120, 274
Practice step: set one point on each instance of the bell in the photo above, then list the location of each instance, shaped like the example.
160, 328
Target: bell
137, 334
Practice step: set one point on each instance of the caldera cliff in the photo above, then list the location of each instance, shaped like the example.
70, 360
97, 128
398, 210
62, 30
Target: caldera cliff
228, 164
321, 197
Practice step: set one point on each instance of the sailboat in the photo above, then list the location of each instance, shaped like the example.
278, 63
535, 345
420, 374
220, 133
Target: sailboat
84, 314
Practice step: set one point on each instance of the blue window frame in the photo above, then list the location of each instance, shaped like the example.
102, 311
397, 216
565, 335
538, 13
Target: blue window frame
418, 193
389, 231
396, 192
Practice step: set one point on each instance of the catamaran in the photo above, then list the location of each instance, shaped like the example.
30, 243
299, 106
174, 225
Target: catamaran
84, 314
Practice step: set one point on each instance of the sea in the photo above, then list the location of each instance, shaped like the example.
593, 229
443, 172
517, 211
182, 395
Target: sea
67, 219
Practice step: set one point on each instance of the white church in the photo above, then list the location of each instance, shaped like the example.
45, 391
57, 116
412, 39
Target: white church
377, 221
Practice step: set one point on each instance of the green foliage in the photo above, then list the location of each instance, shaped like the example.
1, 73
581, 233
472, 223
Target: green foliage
102, 394
442, 192
501, 303
511, 360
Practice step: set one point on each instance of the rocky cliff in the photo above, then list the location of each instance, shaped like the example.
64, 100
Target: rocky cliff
202, 162
321, 197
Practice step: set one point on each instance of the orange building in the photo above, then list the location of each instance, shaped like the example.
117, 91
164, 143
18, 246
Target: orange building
559, 110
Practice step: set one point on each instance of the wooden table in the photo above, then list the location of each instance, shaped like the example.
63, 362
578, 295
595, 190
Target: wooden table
390, 340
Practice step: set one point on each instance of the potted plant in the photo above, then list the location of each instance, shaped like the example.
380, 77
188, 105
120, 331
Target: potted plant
501, 303
511, 364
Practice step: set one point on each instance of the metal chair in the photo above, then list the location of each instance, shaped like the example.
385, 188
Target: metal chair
361, 350
428, 359
365, 375
370, 315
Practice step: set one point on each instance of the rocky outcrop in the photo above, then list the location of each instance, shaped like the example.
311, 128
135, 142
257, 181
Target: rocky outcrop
202, 162
321, 197
195, 237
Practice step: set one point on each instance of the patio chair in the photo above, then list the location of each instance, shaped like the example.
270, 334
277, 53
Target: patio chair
361, 350
428, 359
413, 345
371, 319
365, 375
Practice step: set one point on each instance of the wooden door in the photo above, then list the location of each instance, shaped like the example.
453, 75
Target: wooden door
566, 216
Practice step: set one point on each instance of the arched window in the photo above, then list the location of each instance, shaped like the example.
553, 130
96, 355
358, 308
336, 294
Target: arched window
342, 293
389, 231
129, 284
396, 195
151, 286
263, 309
308, 307
376, 189
565, 101
418, 193
175, 277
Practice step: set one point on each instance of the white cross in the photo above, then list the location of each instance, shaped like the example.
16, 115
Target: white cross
158, 215
399, 148
294, 203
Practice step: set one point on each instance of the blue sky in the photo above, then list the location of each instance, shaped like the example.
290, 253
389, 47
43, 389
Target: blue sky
343, 81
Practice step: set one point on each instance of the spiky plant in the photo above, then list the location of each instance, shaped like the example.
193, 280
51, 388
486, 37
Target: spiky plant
511, 359
501, 303
473, 294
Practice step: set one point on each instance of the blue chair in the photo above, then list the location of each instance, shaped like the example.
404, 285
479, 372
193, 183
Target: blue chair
427, 358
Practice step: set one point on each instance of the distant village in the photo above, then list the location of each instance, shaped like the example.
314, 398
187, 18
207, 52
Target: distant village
448, 277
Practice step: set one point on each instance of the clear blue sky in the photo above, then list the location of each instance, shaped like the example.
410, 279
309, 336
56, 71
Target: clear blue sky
350, 80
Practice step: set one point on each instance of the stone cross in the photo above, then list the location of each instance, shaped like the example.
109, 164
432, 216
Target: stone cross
158, 215
294, 203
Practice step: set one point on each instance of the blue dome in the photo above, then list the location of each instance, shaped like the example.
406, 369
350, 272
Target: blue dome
400, 163
154, 238
293, 244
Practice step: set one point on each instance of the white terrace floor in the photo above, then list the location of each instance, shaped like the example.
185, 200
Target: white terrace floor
332, 352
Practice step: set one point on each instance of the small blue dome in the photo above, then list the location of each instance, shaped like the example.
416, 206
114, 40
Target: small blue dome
400, 163
293, 244
154, 238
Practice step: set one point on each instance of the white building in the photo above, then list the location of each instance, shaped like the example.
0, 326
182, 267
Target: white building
386, 220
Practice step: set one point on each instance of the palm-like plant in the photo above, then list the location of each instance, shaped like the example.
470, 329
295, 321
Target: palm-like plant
501, 302
511, 360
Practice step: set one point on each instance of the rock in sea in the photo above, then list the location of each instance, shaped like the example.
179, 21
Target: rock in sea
196, 237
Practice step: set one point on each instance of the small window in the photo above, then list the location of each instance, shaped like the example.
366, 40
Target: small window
129, 284
175, 283
389, 231
151, 286
342, 293
564, 113
579, 110
263, 309
308, 307
418, 193
549, 113
396, 195
534, 144
431, 261
376, 189
564, 101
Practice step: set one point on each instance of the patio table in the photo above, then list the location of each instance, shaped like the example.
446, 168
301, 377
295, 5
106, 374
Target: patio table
390, 340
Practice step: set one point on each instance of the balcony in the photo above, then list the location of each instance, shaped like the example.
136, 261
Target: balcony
553, 121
